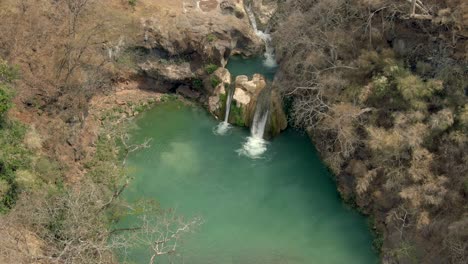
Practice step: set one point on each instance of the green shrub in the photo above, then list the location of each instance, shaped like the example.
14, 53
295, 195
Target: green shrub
47, 170
381, 85
215, 81
7, 75
377, 243
237, 115
25, 179
413, 88
7, 72
4, 187
405, 251
13, 156
197, 84
168, 97
132, 3
105, 167
371, 63
5, 100
210, 68
211, 37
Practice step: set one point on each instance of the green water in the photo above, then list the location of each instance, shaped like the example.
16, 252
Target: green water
248, 66
281, 209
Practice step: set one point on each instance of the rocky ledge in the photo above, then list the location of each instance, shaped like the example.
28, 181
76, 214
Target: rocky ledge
245, 97
186, 47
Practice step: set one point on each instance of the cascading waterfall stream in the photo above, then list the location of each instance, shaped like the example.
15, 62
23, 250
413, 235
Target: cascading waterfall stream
255, 145
230, 94
259, 123
270, 60
223, 127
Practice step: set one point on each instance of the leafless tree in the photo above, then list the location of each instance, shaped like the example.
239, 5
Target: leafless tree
130, 148
76, 8
163, 234
419, 5
401, 219
74, 227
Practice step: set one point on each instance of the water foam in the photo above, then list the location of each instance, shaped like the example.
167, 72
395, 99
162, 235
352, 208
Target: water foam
255, 145
270, 60
253, 148
222, 128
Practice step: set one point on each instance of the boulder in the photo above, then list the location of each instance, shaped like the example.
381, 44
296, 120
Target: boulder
223, 75
264, 11
174, 72
245, 98
242, 98
186, 92
227, 6
214, 105
253, 86
230, 7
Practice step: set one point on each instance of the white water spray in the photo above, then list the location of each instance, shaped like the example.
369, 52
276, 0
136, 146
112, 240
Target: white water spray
270, 60
255, 145
259, 123
223, 127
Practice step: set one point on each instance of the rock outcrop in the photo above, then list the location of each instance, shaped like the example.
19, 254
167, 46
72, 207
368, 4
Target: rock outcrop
217, 101
173, 72
208, 32
244, 102
264, 11
182, 45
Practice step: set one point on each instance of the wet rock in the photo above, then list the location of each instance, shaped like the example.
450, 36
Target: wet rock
246, 97
174, 72
242, 98
277, 121
264, 11
214, 105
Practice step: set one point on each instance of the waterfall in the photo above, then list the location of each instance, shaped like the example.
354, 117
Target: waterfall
223, 127
270, 60
258, 125
255, 145
230, 94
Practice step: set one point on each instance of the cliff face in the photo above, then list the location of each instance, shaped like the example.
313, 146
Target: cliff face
383, 93
381, 90
166, 46
191, 36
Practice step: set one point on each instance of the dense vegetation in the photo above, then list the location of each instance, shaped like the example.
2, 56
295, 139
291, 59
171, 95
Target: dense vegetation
59, 202
44, 219
383, 94
13, 153
381, 90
